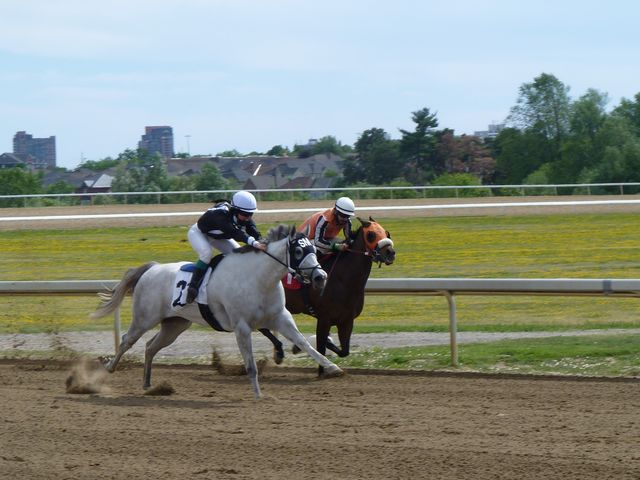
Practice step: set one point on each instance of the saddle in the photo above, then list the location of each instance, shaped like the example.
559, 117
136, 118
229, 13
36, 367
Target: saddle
181, 282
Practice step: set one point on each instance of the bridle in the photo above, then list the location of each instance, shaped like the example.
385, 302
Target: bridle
374, 252
302, 248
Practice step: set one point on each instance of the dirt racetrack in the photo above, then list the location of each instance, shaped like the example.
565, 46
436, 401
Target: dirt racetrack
361, 426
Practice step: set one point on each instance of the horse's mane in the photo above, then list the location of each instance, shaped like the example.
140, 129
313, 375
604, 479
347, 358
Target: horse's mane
278, 232
275, 233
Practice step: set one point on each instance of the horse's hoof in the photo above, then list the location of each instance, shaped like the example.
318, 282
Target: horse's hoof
332, 372
295, 350
278, 357
105, 361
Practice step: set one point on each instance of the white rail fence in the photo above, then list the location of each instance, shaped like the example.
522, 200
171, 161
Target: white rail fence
419, 191
446, 287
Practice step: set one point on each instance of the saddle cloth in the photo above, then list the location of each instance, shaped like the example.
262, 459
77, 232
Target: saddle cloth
181, 282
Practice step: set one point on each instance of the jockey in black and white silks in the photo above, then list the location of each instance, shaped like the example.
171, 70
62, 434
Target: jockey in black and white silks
222, 227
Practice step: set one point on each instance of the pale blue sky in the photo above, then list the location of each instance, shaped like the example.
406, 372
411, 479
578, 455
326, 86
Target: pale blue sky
250, 74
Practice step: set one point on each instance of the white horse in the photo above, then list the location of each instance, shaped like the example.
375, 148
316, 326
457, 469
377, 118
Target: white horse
244, 293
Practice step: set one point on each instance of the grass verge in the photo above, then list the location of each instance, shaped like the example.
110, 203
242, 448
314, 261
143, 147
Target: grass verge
595, 355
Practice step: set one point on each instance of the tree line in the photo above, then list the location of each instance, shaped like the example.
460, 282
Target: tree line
549, 138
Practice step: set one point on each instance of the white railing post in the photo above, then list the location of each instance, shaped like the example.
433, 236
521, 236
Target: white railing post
453, 328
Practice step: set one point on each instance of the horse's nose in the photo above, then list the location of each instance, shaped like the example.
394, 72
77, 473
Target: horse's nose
319, 279
390, 257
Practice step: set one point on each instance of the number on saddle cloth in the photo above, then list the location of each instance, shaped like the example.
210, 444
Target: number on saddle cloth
181, 282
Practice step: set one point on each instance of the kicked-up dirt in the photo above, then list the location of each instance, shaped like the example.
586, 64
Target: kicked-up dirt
205, 425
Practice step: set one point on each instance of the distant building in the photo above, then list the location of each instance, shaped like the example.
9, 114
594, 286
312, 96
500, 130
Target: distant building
82, 180
259, 172
11, 160
42, 149
494, 130
158, 140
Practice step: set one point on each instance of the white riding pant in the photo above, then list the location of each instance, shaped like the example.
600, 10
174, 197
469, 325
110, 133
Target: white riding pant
204, 244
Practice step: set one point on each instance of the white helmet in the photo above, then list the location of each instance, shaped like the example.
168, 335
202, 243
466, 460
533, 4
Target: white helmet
345, 206
244, 201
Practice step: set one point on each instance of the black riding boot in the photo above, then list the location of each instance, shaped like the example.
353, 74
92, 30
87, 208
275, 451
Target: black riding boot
194, 284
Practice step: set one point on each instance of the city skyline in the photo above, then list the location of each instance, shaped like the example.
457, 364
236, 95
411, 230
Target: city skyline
249, 75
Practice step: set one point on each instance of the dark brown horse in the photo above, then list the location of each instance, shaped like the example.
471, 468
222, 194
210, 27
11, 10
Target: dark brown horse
343, 297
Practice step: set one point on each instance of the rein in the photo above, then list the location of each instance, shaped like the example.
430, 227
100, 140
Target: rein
297, 272
289, 268
375, 256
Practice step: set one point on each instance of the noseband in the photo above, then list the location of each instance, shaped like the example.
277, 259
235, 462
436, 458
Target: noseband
374, 249
299, 244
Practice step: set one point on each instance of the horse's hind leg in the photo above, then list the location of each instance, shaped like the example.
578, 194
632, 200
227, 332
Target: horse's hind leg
287, 327
278, 351
345, 328
128, 340
170, 329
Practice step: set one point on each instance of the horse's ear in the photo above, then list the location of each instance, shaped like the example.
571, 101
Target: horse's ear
364, 222
388, 234
371, 218
292, 231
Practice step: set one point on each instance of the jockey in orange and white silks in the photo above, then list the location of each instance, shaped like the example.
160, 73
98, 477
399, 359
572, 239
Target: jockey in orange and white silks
222, 227
322, 228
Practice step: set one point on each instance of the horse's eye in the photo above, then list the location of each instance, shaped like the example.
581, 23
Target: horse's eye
371, 236
298, 253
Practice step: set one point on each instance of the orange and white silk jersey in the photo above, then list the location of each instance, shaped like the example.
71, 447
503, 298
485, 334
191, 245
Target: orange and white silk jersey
322, 229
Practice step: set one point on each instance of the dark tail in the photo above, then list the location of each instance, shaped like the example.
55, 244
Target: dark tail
112, 299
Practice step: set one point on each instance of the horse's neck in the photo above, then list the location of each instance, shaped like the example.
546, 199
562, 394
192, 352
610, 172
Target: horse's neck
356, 266
273, 269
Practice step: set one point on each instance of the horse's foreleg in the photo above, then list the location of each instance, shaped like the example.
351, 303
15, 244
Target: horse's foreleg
278, 351
322, 339
170, 329
287, 327
243, 338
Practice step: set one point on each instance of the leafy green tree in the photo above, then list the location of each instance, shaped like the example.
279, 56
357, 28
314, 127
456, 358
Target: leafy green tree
352, 172
583, 147
543, 106
230, 153
139, 171
210, 179
542, 113
621, 154
460, 179
99, 165
378, 156
417, 148
518, 154
18, 181
278, 151
630, 110
327, 144
60, 187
